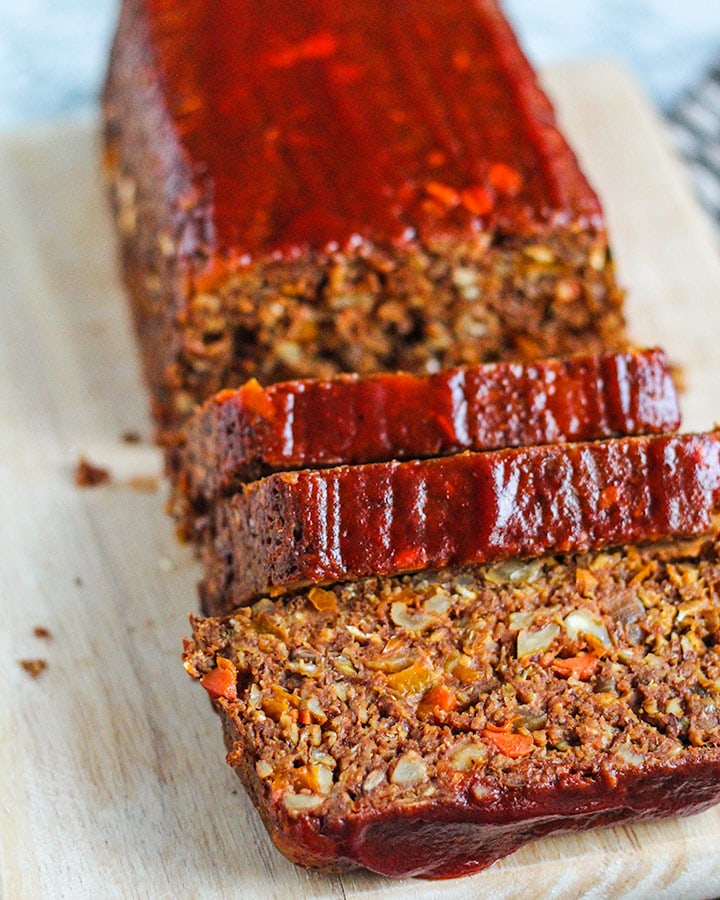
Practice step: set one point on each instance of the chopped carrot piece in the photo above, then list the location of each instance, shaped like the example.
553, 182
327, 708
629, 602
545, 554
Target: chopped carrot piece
509, 744
438, 697
222, 681
322, 600
442, 192
281, 703
505, 179
478, 200
254, 398
583, 666
225, 394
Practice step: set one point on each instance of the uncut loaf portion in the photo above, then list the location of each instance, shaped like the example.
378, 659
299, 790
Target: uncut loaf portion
241, 435
431, 724
307, 189
318, 526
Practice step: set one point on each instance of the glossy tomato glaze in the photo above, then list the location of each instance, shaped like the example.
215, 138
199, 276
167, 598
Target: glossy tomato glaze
330, 124
240, 435
461, 836
321, 526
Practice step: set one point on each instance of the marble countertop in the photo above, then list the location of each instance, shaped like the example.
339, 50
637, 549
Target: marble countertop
667, 44
53, 52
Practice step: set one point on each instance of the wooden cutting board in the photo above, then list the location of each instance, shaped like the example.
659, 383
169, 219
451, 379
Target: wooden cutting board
112, 780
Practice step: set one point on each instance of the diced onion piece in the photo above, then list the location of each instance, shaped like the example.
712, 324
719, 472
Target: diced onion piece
373, 780
254, 696
323, 758
409, 771
324, 778
302, 667
529, 719
357, 633
467, 756
413, 622
629, 756
263, 605
582, 621
529, 642
313, 704
390, 663
396, 655
482, 793
520, 620
300, 803
438, 604
514, 571
344, 665
688, 609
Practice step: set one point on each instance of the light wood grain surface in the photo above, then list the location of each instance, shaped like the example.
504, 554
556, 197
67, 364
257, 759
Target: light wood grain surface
112, 780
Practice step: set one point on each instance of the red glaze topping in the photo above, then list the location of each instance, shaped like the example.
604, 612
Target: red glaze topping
241, 435
326, 125
450, 840
356, 521
462, 835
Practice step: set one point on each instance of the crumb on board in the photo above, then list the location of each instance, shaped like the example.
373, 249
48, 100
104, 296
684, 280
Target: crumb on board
33, 667
131, 437
43, 633
89, 475
78, 581
147, 484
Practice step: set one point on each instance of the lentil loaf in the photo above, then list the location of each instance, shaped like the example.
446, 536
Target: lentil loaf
241, 435
307, 189
431, 724
317, 526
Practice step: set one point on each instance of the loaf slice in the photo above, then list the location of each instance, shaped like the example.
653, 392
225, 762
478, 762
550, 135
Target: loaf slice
307, 189
430, 724
320, 526
240, 436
